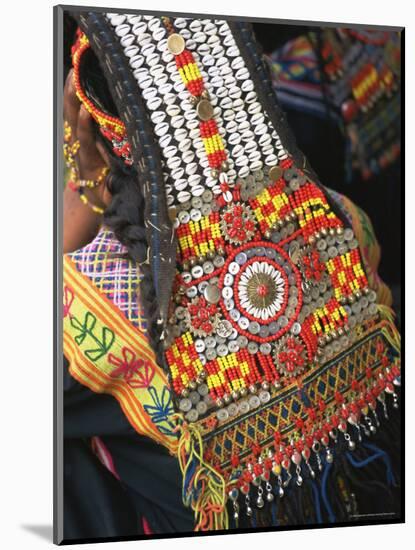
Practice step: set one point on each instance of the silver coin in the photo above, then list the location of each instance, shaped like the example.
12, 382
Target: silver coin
254, 401
212, 294
222, 415
192, 415
243, 406
232, 409
185, 404
264, 396
201, 407
224, 329
348, 234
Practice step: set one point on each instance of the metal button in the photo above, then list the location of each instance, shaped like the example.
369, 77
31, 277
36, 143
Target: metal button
265, 348
253, 348
227, 292
234, 268
243, 323
204, 109
200, 345
254, 327
197, 271
263, 331
212, 294
208, 268
241, 258
233, 346
228, 280
218, 261
191, 292
210, 354
275, 173
348, 234
235, 314
176, 44
222, 350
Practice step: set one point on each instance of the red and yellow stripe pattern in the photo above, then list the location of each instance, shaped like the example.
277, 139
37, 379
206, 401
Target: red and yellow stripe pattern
346, 273
231, 373
197, 238
183, 361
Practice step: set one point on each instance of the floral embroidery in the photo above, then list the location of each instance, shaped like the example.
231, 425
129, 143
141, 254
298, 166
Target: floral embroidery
68, 298
162, 410
137, 372
103, 342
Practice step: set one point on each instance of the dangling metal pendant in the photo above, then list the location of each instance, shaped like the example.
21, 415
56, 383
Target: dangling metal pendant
350, 442
270, 495
249, 511
260, 501
299, 479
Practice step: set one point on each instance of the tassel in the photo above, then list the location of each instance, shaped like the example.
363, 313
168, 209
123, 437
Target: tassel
204, 489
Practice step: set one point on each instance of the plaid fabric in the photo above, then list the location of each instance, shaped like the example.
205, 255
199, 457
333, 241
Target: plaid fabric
105, 262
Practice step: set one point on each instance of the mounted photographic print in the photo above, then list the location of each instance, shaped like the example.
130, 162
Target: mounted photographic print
228, 332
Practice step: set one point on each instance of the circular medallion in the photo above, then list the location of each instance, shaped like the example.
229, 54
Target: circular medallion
261, 282
238, 223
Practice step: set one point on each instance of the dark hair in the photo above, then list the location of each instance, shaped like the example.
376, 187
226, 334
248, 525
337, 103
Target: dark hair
125, 214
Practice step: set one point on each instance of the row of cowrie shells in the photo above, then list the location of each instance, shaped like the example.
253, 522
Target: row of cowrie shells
168, 102
249, 132
140, 45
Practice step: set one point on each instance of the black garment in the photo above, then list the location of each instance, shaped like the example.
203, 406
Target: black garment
96, 504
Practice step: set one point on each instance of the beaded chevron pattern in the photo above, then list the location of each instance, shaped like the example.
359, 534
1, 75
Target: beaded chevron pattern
275, 344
